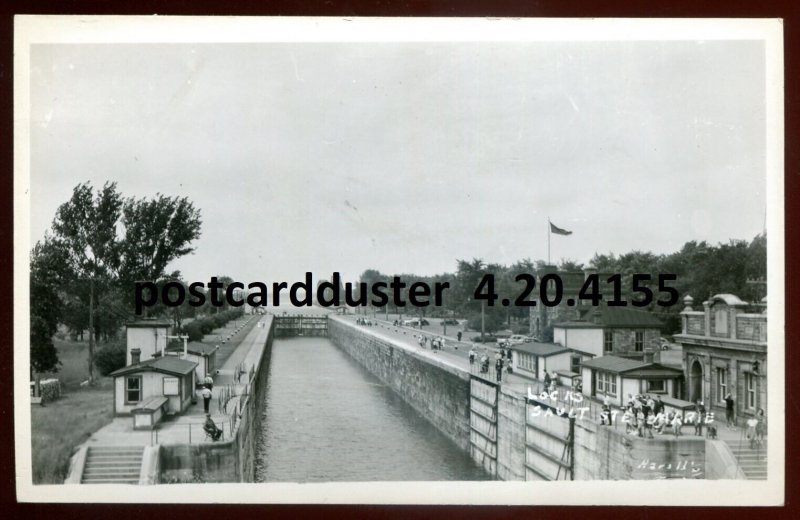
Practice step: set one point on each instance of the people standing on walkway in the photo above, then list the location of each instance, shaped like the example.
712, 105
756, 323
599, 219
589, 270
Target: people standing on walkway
498, 366
546, 381
677, 424
472, 355
459, 335
761, 427
658, 407
729, 415
700, 413
605, 415
752, 423
206, 393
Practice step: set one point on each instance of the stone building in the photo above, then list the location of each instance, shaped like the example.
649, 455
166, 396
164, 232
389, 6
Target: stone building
725, 350
604, 330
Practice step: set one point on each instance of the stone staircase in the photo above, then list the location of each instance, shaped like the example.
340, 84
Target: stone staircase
112, 465
752, 461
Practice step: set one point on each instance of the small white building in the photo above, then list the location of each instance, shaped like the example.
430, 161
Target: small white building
534, 359
167, 377
615, 377
149, 336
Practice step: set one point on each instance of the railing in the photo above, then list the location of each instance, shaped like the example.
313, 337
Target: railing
194, 432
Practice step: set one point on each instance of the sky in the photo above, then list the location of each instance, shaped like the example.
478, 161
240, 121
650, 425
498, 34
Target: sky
405, 157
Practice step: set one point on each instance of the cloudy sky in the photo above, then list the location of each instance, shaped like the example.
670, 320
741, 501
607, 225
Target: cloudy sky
407, 156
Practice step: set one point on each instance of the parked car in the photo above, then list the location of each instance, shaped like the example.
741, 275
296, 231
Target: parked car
504, 333
516, 339
449, 321
664, 343
487, 338
416, 322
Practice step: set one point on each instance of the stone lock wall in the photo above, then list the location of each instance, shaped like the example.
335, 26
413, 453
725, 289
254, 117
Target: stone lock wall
437, 391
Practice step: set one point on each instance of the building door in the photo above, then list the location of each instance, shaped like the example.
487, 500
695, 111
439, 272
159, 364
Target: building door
696, 382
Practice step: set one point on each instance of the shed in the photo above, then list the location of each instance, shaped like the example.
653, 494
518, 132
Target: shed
171, 377
615, 377
537, 358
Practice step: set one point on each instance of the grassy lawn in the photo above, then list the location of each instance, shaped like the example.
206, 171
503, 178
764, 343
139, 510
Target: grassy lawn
58, 427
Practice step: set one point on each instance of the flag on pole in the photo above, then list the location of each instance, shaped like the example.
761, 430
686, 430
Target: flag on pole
558, 231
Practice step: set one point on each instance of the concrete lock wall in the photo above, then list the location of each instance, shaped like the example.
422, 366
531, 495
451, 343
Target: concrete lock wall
603, 453
511, 436
437, 391
441, 393
231, 460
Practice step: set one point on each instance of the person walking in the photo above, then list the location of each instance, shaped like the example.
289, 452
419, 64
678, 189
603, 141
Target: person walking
729, 415
208, 382
459, 335
471, 356
206, 393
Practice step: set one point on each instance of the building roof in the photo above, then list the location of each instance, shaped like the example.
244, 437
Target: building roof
168, 365
729, 299
540, 349
149, 323
199, 349
630, 367
613, 317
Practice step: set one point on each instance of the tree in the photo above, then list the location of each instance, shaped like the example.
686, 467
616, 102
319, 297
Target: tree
45, 307
85, 229
157, 232
109, 243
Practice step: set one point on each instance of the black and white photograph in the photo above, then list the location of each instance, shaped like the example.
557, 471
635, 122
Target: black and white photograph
383, 260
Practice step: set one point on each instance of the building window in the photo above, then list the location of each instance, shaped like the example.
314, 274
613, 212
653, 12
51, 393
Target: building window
607, 383
750, 390
526, 361
656, 385
722, 384
575, 364
721, 321
608, 341
638, 341
133, 389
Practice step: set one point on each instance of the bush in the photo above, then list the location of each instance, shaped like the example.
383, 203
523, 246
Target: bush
194, 330
110, 357
50, 389
206, 325
491, 322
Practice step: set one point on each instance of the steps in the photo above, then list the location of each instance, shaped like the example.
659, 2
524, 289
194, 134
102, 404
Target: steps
752, 461
112, 465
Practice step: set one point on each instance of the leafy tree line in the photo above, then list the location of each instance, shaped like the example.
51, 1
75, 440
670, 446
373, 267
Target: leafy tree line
98, 245
702, 270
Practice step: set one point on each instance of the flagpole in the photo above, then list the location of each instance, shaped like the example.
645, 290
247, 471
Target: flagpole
548, 240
